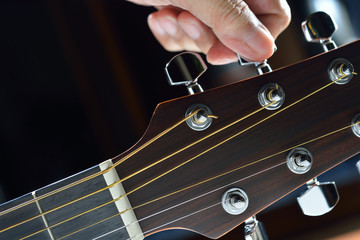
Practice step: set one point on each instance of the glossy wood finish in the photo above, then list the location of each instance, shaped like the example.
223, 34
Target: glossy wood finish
326, 111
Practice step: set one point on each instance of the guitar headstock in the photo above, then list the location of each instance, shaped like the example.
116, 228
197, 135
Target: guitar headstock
250, 154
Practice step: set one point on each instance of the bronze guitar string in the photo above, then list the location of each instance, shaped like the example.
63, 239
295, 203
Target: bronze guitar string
117, 163
98, 173
113, 184
146, 184
201, 154
123, 179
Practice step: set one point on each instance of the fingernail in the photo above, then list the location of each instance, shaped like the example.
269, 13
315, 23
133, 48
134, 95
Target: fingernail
192, 30
170, 25
155, 26
221, 61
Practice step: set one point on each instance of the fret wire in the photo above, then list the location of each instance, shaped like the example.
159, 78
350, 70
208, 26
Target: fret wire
61, 206
43, 216
197, 155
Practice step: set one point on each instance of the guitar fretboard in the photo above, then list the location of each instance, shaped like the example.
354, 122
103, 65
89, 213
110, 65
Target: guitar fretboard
62, 215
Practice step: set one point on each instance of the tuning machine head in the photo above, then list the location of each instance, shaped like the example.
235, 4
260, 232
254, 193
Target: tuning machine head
261, 67
185, 69
319, 198
319, 27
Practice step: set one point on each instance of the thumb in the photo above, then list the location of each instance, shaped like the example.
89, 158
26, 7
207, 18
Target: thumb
234, 24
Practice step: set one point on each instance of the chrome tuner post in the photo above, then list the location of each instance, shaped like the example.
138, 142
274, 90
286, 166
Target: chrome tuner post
185, 69
261, 67
318, 28
358, 166
319, 198
254, 230
235, 201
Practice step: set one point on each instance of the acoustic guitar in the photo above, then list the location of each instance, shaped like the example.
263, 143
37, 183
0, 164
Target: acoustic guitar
208, 161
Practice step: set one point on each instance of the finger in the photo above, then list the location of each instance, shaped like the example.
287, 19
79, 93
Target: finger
165, 27
219, 54
201, 34
161, 36
274, 14
234, 24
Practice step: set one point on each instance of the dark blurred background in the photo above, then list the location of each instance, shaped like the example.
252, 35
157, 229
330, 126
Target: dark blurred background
79, 80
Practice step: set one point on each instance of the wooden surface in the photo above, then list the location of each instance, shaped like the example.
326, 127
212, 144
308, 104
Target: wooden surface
327, 111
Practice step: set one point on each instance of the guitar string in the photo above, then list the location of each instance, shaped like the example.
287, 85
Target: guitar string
189, 215
201, 154
124, 159
145, 168
113, 184
139, 171
186, 216
172, 207
127, 157
221, 175
143, 147
215, 177
176, 167
100, 172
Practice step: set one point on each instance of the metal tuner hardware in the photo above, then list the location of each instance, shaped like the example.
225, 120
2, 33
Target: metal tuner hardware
185, 69
299, 160
272, 96
254, 230
202, 119
319, 28
235, 201
261, 67
319, 198
355, 122
340, 71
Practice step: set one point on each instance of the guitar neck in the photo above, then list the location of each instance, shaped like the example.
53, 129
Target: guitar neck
86, 210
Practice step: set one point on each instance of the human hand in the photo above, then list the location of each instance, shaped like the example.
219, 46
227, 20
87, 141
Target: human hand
219, 28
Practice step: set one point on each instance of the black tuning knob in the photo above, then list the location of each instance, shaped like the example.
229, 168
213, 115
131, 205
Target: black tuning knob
319, 27
185, 69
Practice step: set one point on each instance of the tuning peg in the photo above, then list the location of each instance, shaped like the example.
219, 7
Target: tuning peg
319, 198
319, 27
358, 166
261, 67
254, 230
185, 69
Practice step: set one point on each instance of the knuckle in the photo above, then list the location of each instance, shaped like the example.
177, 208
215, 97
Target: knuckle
229, 12
285, 12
